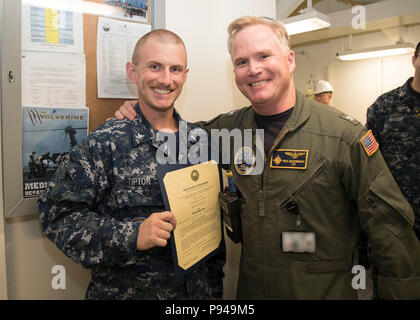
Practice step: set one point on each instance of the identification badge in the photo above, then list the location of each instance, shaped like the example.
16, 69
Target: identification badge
296, 241
289, 159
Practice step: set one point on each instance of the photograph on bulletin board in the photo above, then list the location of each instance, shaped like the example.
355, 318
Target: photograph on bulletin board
132, 10
48, 135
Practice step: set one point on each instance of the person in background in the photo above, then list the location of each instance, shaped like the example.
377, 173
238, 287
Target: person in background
104, 208
394, 119
323, 92
298, 243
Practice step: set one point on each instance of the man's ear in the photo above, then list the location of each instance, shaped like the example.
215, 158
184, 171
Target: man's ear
185, 74
291, 61
130, 69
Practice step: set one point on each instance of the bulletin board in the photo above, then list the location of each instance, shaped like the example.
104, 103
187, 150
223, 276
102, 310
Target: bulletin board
99, 109
14, 203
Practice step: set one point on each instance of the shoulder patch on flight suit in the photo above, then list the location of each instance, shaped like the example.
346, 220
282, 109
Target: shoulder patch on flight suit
289, 159
349, 119
369, 143
244, 161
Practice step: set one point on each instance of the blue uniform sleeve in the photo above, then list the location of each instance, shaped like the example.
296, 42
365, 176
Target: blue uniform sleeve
372, 121
70, 211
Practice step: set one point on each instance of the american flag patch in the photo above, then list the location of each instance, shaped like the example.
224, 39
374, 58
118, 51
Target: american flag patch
369, 143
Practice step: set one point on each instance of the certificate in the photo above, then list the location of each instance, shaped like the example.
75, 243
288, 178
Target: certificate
192, 194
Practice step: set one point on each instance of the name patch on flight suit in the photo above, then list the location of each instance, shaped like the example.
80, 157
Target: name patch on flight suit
289, 159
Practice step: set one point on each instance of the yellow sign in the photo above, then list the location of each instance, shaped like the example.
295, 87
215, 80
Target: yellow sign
51, 25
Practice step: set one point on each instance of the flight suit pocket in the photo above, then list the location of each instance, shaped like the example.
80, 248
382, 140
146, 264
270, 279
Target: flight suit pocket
296, 218
291, 220
385, 188
382, 214
382, 204
322, 279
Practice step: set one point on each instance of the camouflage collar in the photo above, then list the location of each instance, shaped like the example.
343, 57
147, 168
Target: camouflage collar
404, 92
142, 131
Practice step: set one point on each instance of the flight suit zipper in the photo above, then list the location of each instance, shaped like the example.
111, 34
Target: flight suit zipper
261, 192
261, 197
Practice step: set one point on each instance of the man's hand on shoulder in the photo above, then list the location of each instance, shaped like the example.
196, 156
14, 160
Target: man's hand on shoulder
126, 110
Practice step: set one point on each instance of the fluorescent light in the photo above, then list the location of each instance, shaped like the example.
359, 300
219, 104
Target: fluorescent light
310, 20
392, 50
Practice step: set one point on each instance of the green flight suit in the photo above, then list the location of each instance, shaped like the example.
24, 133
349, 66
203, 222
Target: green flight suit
341, 191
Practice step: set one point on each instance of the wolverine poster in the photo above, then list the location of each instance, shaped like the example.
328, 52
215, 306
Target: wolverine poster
48, 135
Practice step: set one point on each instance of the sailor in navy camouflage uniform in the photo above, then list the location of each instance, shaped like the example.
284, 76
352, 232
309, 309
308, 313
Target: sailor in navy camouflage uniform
394, 119
105, 193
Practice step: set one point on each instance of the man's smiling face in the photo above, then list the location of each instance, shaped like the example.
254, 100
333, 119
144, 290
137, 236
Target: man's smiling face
160, 74
263, 68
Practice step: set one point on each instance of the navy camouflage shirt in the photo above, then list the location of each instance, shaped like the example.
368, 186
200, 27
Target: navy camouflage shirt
396, 126
93, 208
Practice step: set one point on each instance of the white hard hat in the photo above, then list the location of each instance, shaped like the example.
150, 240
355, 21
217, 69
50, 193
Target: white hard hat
323, 86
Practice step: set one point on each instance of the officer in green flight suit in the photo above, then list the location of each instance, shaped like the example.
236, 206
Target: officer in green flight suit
322, 181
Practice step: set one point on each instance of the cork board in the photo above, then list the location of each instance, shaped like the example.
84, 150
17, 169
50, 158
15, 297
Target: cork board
99, 109
14, 203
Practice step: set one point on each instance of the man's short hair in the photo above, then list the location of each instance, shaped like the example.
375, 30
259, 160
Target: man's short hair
162, 35
277, 27
417, 52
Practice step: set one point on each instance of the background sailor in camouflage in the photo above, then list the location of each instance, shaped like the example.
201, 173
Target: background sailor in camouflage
104, 208
394, 119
